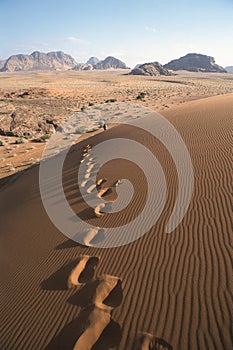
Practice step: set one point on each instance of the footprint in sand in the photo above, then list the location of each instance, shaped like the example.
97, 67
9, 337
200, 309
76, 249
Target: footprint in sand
86, 150
85, 155
104, 191
98, 210
83, 271
146, 341
101, 182
90, 167
72, 274
87, 176
86, 183
107, 295
92, 236
98, 320
102, 209
91, 188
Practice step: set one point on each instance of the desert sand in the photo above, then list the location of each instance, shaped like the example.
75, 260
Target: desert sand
163, 291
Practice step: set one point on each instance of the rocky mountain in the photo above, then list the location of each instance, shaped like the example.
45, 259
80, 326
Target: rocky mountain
150, 69
93, 61
229, 69
195, 63
83, 66
138, 65
110, 63
2, 62
39, 61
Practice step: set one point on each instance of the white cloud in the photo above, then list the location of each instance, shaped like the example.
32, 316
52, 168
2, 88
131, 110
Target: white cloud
151, 29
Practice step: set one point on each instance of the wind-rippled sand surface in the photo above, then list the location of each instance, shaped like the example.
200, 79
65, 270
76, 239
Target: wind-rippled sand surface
177, 287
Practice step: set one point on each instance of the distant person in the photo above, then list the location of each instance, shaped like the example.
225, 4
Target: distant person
105, 126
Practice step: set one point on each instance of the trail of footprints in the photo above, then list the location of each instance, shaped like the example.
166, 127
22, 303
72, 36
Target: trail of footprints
101, 294
98, 296
93, 235
91, 185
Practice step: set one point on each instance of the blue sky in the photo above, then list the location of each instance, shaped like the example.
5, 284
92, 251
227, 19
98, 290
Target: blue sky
132, 30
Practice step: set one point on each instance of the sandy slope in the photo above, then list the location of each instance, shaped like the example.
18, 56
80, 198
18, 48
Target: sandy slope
176, 287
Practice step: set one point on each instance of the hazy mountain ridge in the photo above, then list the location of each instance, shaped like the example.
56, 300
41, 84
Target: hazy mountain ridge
58, 60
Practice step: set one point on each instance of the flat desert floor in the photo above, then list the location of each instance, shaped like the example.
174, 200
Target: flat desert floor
163, 291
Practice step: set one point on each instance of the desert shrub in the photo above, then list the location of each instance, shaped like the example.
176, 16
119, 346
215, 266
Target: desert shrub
92, 130
91, 104
20, 140
26, 135
111, 100
1, 143
45, 137
81, 130
83, 108
141, 96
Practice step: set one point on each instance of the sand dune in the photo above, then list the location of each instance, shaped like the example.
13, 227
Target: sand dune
171, 291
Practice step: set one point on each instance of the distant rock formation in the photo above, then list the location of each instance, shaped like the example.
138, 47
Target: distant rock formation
2, 62
150, 69
54, 61
229, 69
93, 61
107, 63
138, 65
83, 66
39, 61
110, 63
195, 63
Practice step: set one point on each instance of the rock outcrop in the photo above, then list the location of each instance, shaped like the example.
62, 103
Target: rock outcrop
93, 61
39, 61
150, 69
2, 62
110, 63
229, 69
83, 66
195, 63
